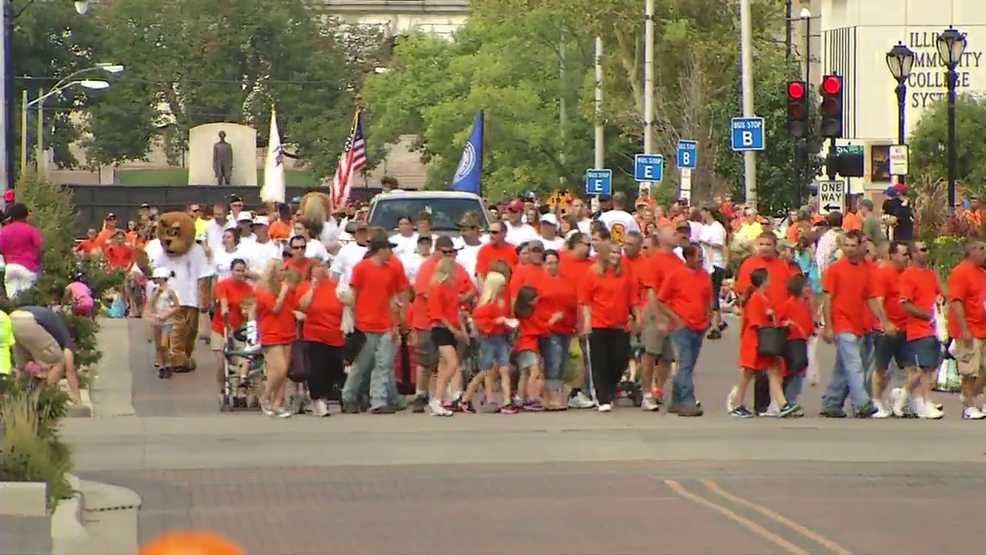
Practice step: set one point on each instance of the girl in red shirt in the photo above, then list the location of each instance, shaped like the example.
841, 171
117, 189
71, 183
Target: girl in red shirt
796, 314
322, 330
276, 301
229, 295
757, 313
561, 297
446, 330
607, 297
491, 319
532, 333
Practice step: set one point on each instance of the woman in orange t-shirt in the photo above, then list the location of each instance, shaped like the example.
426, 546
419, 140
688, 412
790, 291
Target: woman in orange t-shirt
560, 295
322, 330
446, 329
607, 296
230, 294
276, 301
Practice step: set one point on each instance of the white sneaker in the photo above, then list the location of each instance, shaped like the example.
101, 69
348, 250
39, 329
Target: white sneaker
881, 410
605, 407
772, 410
731, 400
926, 410
320, 408
973, 413
580, 401
899, 402
437, 409
650, 404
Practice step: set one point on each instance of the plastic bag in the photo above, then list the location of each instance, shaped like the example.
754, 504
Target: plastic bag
812, 374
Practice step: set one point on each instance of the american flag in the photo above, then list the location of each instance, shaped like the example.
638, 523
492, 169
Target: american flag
352, 163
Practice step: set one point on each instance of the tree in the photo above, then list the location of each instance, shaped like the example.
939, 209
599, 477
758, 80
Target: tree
50, 41
929, 142
191, 63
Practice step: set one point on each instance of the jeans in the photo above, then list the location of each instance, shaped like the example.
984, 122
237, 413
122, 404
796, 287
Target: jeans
848, 378
687, 345
587, 375
555, 357
868, 354
376, 362
792, 387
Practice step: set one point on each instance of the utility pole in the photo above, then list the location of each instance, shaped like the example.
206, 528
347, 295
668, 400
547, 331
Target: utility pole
599, 147
746, 48
648, 80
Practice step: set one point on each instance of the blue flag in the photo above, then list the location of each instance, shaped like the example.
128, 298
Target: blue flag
469, 174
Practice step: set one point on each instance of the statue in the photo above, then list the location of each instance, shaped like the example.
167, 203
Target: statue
222, 160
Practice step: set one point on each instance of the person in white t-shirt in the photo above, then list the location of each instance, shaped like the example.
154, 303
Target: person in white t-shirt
351, 254
405, 239
412, 262
223, 257
618, 221
260, 249
518, 232
467, 246
713, 240
236, 214
549, 233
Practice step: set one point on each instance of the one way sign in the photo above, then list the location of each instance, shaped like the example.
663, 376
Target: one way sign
831, 196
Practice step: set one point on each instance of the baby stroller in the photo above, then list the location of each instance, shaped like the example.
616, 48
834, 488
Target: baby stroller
244, 368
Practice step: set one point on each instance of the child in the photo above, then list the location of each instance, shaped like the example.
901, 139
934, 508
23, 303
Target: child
796, 314
161, 307
79, 294
447, 330
757, 314
491, 318
531, 333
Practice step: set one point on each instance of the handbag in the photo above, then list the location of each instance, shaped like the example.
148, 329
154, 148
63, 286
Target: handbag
770, 341
300, 368
796, 355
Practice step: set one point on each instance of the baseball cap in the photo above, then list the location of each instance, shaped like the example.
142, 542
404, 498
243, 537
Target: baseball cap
516, 206
235, 198
444, 242
261, 220
380, 243
549, 219
244, 217
361, 226
145, 205
111, 216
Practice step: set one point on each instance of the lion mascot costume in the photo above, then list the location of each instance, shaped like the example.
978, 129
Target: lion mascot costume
316, 216
191, 270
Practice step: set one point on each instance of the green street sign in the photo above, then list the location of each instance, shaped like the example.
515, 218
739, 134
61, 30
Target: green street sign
849, 149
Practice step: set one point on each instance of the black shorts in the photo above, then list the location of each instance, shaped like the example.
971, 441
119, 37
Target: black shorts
892, 348
718, 275
442, 337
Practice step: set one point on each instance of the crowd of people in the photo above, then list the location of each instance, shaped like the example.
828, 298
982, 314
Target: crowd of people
536, 307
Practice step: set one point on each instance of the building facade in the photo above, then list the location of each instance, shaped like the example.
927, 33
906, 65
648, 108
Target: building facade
855, 38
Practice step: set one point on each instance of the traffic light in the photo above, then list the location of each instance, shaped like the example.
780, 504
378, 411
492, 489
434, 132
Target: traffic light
831, 108
797, 109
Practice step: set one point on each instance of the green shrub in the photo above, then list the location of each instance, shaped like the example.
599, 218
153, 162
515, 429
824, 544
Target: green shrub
53, 212
30, 449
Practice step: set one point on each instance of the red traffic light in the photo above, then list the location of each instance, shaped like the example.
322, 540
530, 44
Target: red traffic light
796, 90
832, 84
8, 195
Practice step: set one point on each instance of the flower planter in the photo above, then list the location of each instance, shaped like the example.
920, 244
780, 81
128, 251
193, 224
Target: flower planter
23, 498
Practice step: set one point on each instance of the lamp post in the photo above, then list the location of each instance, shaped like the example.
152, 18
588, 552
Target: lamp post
951, 47
8, 15
39, 102
900, 60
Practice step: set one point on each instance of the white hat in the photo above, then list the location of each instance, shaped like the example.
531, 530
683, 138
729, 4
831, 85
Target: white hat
549, 219
244, 217
261, 220
161, 273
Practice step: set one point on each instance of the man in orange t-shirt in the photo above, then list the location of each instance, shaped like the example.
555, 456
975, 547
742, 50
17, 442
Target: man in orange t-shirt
847, 289
655, 365
376, 287
967, 326
497, 249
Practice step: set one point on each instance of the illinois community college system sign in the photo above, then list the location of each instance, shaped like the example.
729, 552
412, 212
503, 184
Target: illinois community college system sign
927, 83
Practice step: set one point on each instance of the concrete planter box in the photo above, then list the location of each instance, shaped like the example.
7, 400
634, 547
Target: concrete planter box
23, 499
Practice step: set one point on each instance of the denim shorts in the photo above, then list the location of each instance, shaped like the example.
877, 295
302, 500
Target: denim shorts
892, 348
925, 353
494, 352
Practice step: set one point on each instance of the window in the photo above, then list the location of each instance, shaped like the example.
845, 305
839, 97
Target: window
880, 164
445, 211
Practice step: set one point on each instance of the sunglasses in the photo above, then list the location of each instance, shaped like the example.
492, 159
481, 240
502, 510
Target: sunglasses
446, 251
922, 249
496, 231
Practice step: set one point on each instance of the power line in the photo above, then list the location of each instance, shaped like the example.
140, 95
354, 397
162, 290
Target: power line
183, 81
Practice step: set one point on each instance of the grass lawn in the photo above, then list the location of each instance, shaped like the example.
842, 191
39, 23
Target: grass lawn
179, 176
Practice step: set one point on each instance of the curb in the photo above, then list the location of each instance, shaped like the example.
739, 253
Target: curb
98, 519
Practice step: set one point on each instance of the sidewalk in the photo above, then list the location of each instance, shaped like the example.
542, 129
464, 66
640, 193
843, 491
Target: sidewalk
111, 387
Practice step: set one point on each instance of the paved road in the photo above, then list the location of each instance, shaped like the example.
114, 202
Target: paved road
573, 483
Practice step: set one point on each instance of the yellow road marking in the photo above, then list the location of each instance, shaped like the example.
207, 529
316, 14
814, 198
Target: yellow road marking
748, 524
817, 538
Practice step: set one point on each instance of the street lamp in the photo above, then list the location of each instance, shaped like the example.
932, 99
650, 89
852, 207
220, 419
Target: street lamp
900, 60
39, 102
951, 47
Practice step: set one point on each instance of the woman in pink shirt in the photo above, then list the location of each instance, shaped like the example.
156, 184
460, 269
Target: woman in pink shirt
20, 244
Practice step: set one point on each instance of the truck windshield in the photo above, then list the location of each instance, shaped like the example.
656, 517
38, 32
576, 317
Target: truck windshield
445, 212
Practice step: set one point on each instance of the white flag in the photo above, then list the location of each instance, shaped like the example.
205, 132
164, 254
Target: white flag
273, 189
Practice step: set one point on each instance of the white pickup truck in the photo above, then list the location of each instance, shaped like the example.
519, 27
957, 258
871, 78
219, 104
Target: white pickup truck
446, 209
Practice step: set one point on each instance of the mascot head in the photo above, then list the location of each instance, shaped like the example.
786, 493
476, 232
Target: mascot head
176, 230
315, 210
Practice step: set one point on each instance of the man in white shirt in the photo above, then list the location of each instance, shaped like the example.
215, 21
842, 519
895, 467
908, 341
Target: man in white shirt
618, 221
235, 211
412, 262
261, 250
518, 232
216, 227
467, 246
351, 254
582, 221
713, 242
244, 221
549, 233
424, 227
